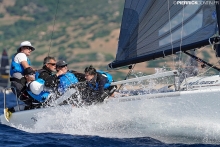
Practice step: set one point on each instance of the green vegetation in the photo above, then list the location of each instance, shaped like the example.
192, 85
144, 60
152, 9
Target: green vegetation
78, 44
206, 56
1, 15
118, 76
37, 63
41, 12
87, 26
156, 63
84, 57
90, 57
100, 34
63, 41
109, 57
61, 49
76, 25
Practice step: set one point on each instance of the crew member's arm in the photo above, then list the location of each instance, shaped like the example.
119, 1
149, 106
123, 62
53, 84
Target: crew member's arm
50, 80
101, 83
25, 64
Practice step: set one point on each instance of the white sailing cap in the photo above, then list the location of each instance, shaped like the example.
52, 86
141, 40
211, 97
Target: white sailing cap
26, 43
36, 87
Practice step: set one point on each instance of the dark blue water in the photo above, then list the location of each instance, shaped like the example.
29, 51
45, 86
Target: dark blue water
13, 137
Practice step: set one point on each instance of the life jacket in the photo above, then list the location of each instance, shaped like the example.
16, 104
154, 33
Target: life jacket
17, 67
79, 76
108, 82
37, 73
40, 97
66, 80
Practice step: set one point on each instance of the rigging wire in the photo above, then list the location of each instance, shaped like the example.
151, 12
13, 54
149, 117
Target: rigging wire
202, 74
53, 27
171, 37
209, 68
181, 38
129, 73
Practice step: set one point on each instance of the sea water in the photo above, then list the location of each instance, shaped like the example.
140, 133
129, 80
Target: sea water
104, 125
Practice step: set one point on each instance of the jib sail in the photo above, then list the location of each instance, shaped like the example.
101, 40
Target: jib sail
152, 28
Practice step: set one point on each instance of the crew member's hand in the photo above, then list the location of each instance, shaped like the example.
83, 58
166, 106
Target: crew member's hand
60, 72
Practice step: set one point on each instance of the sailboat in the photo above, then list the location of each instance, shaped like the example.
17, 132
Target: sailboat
4, 70
152, 29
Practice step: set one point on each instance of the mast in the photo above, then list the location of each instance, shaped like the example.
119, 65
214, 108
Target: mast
218, 14
217, 44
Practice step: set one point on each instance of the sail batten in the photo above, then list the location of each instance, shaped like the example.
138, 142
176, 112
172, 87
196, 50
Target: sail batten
151, 29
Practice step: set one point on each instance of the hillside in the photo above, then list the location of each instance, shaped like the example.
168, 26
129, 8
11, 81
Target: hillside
82, 32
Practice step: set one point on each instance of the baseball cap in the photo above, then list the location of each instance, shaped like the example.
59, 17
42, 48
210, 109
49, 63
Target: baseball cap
61, 63
28, 71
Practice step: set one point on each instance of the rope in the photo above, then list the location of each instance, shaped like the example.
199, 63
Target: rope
53, 27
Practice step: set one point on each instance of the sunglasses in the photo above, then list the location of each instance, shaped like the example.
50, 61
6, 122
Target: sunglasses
53, 64
31, 74
27, 47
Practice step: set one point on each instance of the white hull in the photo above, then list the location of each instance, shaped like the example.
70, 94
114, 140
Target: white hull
163, 114
182, 116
